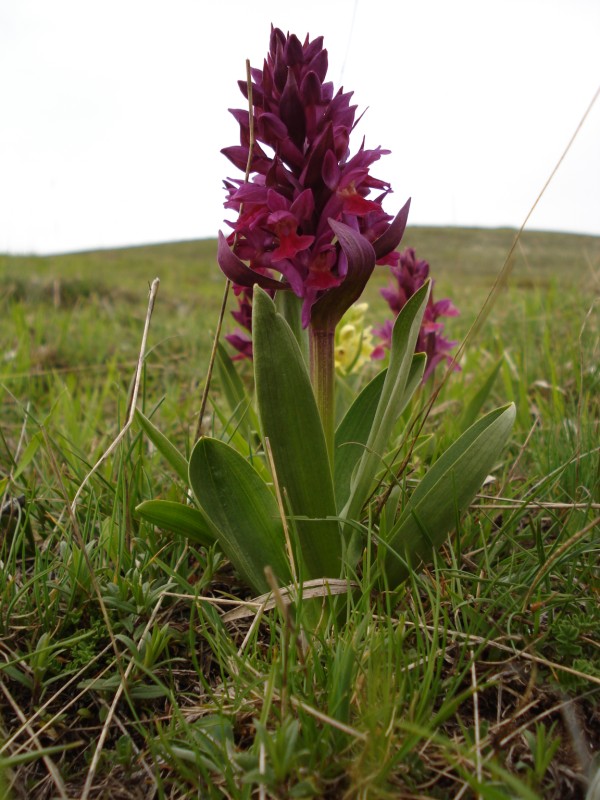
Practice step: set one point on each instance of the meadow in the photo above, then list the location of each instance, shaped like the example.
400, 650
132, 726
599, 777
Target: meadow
120, 676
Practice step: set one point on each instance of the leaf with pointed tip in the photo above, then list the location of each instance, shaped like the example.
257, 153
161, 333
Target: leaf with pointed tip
404, 338
232, 436
353, 431
238, 400
352, 434
445, 492
242, 511
290, 420
164, 446
178, 518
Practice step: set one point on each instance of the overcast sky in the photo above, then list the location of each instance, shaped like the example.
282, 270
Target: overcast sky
113, 113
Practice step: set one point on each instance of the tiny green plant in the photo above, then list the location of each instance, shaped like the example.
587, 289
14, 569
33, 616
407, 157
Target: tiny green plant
285, 488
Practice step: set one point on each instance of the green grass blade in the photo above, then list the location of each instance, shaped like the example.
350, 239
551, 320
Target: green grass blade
177, 518
475, 405
290, 419
446, 491
242, 510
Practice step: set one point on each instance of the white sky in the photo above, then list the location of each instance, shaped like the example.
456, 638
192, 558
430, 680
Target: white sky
112, 113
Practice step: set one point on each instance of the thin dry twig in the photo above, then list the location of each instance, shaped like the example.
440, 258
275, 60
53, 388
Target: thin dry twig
522, 449
50, 765
318, 587
484, 312
515, 505
556, 555
144, 764
475, 695
118, 694
134, 395
52, 699
468, 637
295, 702
255, 623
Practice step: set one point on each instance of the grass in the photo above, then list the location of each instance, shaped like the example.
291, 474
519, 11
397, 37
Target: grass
120, 677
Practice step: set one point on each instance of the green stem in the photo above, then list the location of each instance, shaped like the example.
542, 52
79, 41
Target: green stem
322, 375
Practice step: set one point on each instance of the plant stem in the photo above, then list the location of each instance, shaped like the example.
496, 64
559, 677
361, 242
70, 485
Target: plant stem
322, 375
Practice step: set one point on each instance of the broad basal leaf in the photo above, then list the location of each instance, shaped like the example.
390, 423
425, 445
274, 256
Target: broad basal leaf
242, 511
290, 420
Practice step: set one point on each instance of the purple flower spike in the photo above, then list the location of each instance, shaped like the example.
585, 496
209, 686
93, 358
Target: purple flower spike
305, 211
410, 274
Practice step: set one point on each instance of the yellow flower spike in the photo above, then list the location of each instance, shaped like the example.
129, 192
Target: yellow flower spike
353, 341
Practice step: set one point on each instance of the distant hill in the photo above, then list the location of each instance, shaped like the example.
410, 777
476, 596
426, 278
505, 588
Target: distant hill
473, 255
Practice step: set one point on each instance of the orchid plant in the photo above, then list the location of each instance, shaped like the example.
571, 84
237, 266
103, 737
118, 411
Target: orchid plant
289, 490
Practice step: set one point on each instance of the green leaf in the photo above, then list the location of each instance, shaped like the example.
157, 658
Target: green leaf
28, 454
290, 420
163, 445
178, 518
445, 492
233, 436
353, 431
238, 400
404, 338
290, 308
351, 436
242, 511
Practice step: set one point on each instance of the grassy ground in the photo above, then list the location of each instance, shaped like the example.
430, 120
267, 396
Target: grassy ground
119, 677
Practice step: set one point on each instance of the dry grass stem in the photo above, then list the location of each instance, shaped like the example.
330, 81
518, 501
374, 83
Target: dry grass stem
118, 694
557, 554
132, 400
318, 587
34, 738
217, 336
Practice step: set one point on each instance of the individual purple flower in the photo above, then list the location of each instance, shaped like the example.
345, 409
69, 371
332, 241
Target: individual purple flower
306, 220
239, 339
410, 274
